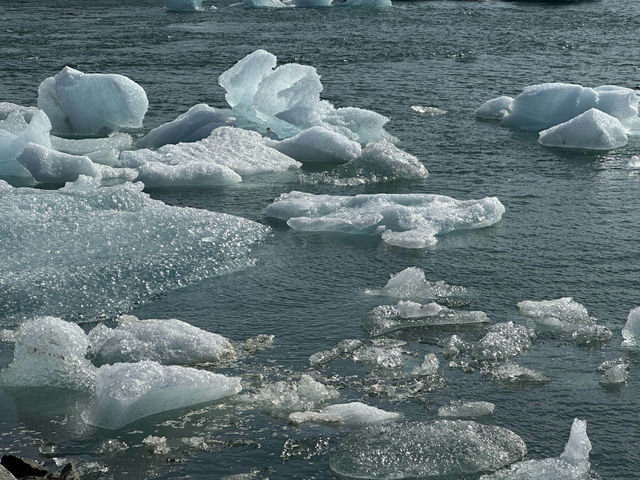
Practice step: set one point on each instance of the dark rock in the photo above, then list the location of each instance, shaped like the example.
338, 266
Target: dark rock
69, 472
23, 467
6, 474
53, 476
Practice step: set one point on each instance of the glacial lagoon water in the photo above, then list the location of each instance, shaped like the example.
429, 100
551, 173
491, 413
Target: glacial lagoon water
569, 229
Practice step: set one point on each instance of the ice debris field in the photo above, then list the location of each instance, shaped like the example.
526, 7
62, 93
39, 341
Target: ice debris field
103, 245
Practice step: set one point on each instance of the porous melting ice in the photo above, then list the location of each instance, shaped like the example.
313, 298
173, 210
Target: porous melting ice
466, 410
495, 109
92, 104
170, 342
102, 249
563, 314
126, 392
352, 414
412, 284
573, 464
502, 342
631, 330
407, 314
402, 220
514, 373
442, 449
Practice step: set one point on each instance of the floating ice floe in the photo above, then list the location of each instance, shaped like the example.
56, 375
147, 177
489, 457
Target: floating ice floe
563, 314
195, 124
18, 126
407, 314
573, 464
429, 366
466, 410
354, 414
50, 352
182, 5
91, 104
403, 220
442, 449
614, 372
428, 111
342, 349
495, 109
50, 166
94, 250
104, 151
222, 158
412, 284
380, 356
285, 397
126, 392
514, 373
318, 144
591, 335
591, 130
170, 342
631, 330
502, 342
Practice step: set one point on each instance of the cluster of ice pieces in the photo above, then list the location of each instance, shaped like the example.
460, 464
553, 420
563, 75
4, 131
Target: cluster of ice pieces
573, 464
403, 220
407, 314
412, 284
442, 449
569, 115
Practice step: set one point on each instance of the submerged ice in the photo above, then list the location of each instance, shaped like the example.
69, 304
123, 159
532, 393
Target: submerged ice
402, 220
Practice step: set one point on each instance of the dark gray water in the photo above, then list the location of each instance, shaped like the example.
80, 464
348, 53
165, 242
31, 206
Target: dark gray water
570, 227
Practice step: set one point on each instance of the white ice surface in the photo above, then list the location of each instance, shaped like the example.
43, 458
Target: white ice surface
412, 284
318, 144
494, 109
631, 330
352, 414
50, 166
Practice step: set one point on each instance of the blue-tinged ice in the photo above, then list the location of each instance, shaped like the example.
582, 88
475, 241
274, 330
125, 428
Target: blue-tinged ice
412, 284
631, 330
242, 80
494, 109
18, 126
53, 167
50, 352
318, 144
591, 130
126, 392
170, 342
183, 5
402, 220
195, 124
91, 104
100, 150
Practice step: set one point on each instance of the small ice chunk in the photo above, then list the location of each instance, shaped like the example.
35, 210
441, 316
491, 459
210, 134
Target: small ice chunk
384, 160
50, 166
428, 367
92, 104
616, 374
50, 352
156, 445
631, 330
592, 130
318, 144
170, 342
563, 314
634, 162
591, 334
355, 413
182, 5
343, 348
502, 342
407, 314
259, 342
539, 107
466, 410
195, 124
428, 111
495, 109
514, 373
379, 356
454, 346
126, 392
411, 284
445, 448
282, 398
403, 220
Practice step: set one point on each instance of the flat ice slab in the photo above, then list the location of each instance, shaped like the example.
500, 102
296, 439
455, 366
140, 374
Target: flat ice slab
403, 220
50, 166
353, 414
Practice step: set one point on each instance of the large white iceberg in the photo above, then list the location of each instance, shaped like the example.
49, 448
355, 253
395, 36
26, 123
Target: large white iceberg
92, 104
442, 449
95, 250
182, 5
50, 352
50, 166
403, 220
18, 126
170, 342
573, 464
591, 130
126, 392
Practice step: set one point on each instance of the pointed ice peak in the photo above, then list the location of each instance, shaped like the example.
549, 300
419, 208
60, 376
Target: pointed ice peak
576, 452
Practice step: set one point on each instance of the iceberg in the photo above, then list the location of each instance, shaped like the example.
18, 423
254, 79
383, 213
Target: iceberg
514, 373
100, 150
182, 5
502, 342
407, 314
50, 166
631, 330
591, 335
19, 126
403, 220
442, 449
412, 284
466, 410
126, 392
428, 367
380, 356
195, 124
494, 109
91, 104
99, 250
242, 80
591, 130
50, 352
342, 349
573, 464
616, 374
564, 314
190, 175
169, 342
352, 414
318, 144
